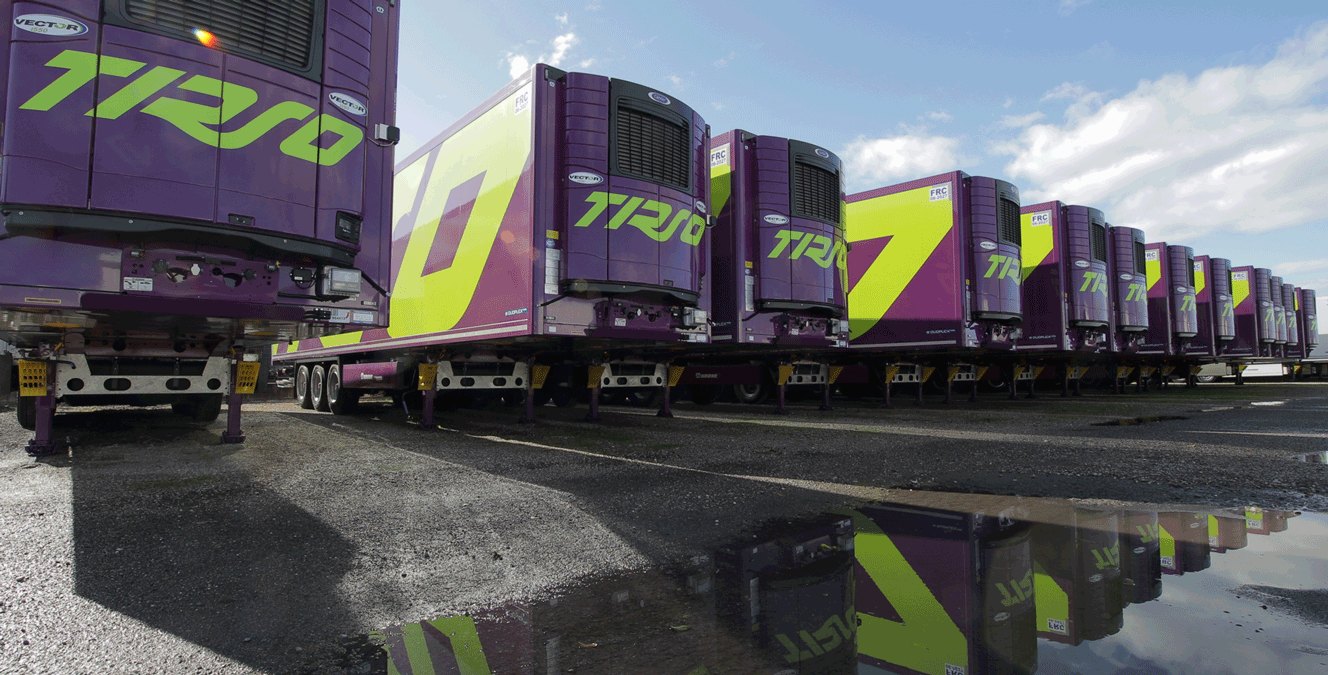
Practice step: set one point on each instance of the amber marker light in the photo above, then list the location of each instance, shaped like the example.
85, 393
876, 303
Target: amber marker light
205, 38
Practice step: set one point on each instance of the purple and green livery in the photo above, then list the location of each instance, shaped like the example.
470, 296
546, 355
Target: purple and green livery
1269, 306
180, 181
1129, 288
1184, 542
1226, 533
934, 265
1214, 308
1292, 349
1249, 320
1077, 575
778, 252
1066, 282
1141, 566
1275, 294
1307, 320
1172, 319
564, 216
940, 592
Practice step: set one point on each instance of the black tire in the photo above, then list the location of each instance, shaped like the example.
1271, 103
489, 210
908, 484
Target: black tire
340, 401
751, 394
202, 409
318, 387
562, 396
514, 397
646, 397
1205, 379
27, 412
302, 397
704, 394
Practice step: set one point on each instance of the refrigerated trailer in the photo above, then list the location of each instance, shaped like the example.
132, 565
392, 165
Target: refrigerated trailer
933, 281
1126, 263
1172, 319
1293, 350
777, 262
1279, 314
1077, 580
1066, 296
552, 242
1214, 309
183, 186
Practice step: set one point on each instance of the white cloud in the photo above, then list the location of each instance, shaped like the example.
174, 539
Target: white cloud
1068, 6
1288, 269
1021, 121
873, 162
720, 63
940, 116
586, 63
677, 82
1008, 102
717, 105
520, 63
1236, 148
561, 19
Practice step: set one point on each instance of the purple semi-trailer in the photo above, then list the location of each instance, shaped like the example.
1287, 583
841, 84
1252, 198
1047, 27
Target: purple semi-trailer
933, 281
1126, 256
777, 258
182, 185
553, 242
1066, 285
1214, 309
1172, 318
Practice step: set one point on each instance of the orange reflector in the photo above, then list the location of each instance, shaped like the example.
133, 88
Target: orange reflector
207, 39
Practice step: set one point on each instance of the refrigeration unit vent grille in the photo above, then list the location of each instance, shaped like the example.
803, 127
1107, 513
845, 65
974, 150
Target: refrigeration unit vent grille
1099, 242
1009, 222
278, 31
815, 192
1139, 265
653, 148
1189, 264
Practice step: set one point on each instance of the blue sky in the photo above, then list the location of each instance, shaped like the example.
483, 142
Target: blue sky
1204, 123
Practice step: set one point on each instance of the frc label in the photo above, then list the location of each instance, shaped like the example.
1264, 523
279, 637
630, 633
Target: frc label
1040, 219
522, 101
939, 192
1240, 276
719, 156
1057, 626
50, 24
1151, 255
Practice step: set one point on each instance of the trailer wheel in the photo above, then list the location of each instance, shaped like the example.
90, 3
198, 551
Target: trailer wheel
27, 412
339, 400
646, 397
318, 388
513, 397
542, 396
302, 387
704, 394
751, 394
200, 408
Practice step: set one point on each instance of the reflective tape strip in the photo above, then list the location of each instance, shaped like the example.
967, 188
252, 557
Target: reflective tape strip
951, 373
926, 373
1123, 372
1019, 370
785, 372
596, 372
675, 375
428, 376
834, 373
982, 372
891, 372
246, 377
31, 378
538, 374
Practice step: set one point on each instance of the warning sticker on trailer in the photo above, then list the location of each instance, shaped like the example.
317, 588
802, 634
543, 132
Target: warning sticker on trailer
137, 283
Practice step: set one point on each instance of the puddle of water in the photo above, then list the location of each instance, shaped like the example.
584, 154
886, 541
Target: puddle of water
1312, 457
939, 584
1134, 421
1267, 403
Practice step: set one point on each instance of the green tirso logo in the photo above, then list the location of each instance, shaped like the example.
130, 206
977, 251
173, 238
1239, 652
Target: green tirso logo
198, 121
656, 219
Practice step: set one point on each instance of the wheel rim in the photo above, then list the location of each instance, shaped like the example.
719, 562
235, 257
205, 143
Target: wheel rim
749, 392
333, 384
316, 382
302, 383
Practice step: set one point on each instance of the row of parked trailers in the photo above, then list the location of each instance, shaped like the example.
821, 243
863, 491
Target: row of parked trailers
577, 235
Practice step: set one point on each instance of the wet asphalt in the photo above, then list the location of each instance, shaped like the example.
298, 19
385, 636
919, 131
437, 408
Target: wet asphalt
150, 548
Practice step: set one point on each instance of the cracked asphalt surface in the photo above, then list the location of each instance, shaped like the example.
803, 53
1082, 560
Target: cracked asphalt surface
152, 549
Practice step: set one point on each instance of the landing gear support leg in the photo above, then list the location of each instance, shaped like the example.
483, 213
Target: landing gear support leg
1065, 383
426, 419
1014, 383
43, 442
1077, 390
234, 435
918, 400
885, 388
1032, 384
825, 397
780, 393
949, 388
973, 391
666, 408
593, 415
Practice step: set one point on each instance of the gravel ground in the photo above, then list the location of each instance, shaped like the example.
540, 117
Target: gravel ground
152, 549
